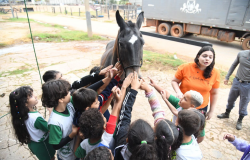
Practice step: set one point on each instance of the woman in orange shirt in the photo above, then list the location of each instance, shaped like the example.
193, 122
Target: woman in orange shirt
200, 76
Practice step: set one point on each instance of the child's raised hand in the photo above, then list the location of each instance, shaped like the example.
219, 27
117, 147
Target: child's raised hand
230, 137
113, 91
73, 132
117, 94
144, 86
127, 80
163, 94
105, 70
112, 72
152, 82
136, 83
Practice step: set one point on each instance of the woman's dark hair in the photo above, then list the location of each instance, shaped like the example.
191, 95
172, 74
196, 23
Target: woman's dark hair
189, 121
53, 91
50, 75
140, 131
202, 115
166, 134
91, 123
208, 70
99, 153
19, 112
83, 98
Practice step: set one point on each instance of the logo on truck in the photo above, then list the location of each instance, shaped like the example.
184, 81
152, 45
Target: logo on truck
190, 7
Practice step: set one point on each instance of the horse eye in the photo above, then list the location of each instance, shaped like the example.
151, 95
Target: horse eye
122, 45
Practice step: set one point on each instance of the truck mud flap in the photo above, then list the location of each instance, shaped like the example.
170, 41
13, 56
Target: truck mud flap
181, 40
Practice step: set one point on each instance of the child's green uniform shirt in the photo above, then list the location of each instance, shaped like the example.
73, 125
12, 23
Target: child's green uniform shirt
60, 126
38, 130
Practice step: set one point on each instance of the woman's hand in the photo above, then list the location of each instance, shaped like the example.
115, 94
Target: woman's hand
209, 115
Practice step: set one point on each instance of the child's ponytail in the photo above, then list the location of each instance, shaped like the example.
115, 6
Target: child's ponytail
19, 112
143, 151
179, 140
141, 141
166, 134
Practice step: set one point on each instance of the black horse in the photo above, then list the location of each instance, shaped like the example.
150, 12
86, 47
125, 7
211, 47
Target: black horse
128, 46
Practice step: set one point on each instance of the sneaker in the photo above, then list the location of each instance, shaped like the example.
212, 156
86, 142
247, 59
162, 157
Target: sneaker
223, 115
239, 125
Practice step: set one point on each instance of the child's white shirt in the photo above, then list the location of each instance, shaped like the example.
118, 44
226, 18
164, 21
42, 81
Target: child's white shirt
189, 151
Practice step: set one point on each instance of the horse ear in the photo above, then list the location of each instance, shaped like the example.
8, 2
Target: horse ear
140, 19
120, 21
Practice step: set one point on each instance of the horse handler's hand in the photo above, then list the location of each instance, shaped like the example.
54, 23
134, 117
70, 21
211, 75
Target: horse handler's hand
229, 137
225, 81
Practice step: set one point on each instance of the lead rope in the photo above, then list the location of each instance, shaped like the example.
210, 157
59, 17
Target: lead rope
34, 49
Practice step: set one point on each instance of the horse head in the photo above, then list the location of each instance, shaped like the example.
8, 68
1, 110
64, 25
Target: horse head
129, 44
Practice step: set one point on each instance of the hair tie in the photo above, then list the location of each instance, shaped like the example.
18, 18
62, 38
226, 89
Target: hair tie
144, 142
178, 129
16, 106
163, 137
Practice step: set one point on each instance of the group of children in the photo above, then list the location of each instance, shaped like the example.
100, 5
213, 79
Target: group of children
80, 125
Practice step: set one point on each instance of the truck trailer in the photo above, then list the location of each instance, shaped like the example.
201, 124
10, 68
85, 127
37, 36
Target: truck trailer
226, 20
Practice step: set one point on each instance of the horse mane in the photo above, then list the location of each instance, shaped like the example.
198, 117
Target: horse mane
116, 47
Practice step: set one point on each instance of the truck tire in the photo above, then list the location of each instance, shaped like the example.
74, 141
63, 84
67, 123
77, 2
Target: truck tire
177, 31
246, 43
164, 28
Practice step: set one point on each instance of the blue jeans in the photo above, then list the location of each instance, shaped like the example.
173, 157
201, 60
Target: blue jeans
61, 159
204, 109
242, 90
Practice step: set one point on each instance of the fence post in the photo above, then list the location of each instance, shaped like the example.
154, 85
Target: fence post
108, 12
79, 12
96, 13
124, 13
16, 15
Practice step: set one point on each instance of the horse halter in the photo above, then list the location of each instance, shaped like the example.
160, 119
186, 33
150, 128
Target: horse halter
121, 61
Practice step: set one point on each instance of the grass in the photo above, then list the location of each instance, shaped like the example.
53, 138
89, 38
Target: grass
20, 20
164, 59
65, 36
3, 45
15, 72
223, 75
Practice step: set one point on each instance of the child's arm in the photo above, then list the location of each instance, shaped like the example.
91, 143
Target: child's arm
86, 80
41, 124
240, 144
110, 74
55, 136
170, 106
125, 114
155, 105
158, 88
106, 93
77, 144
